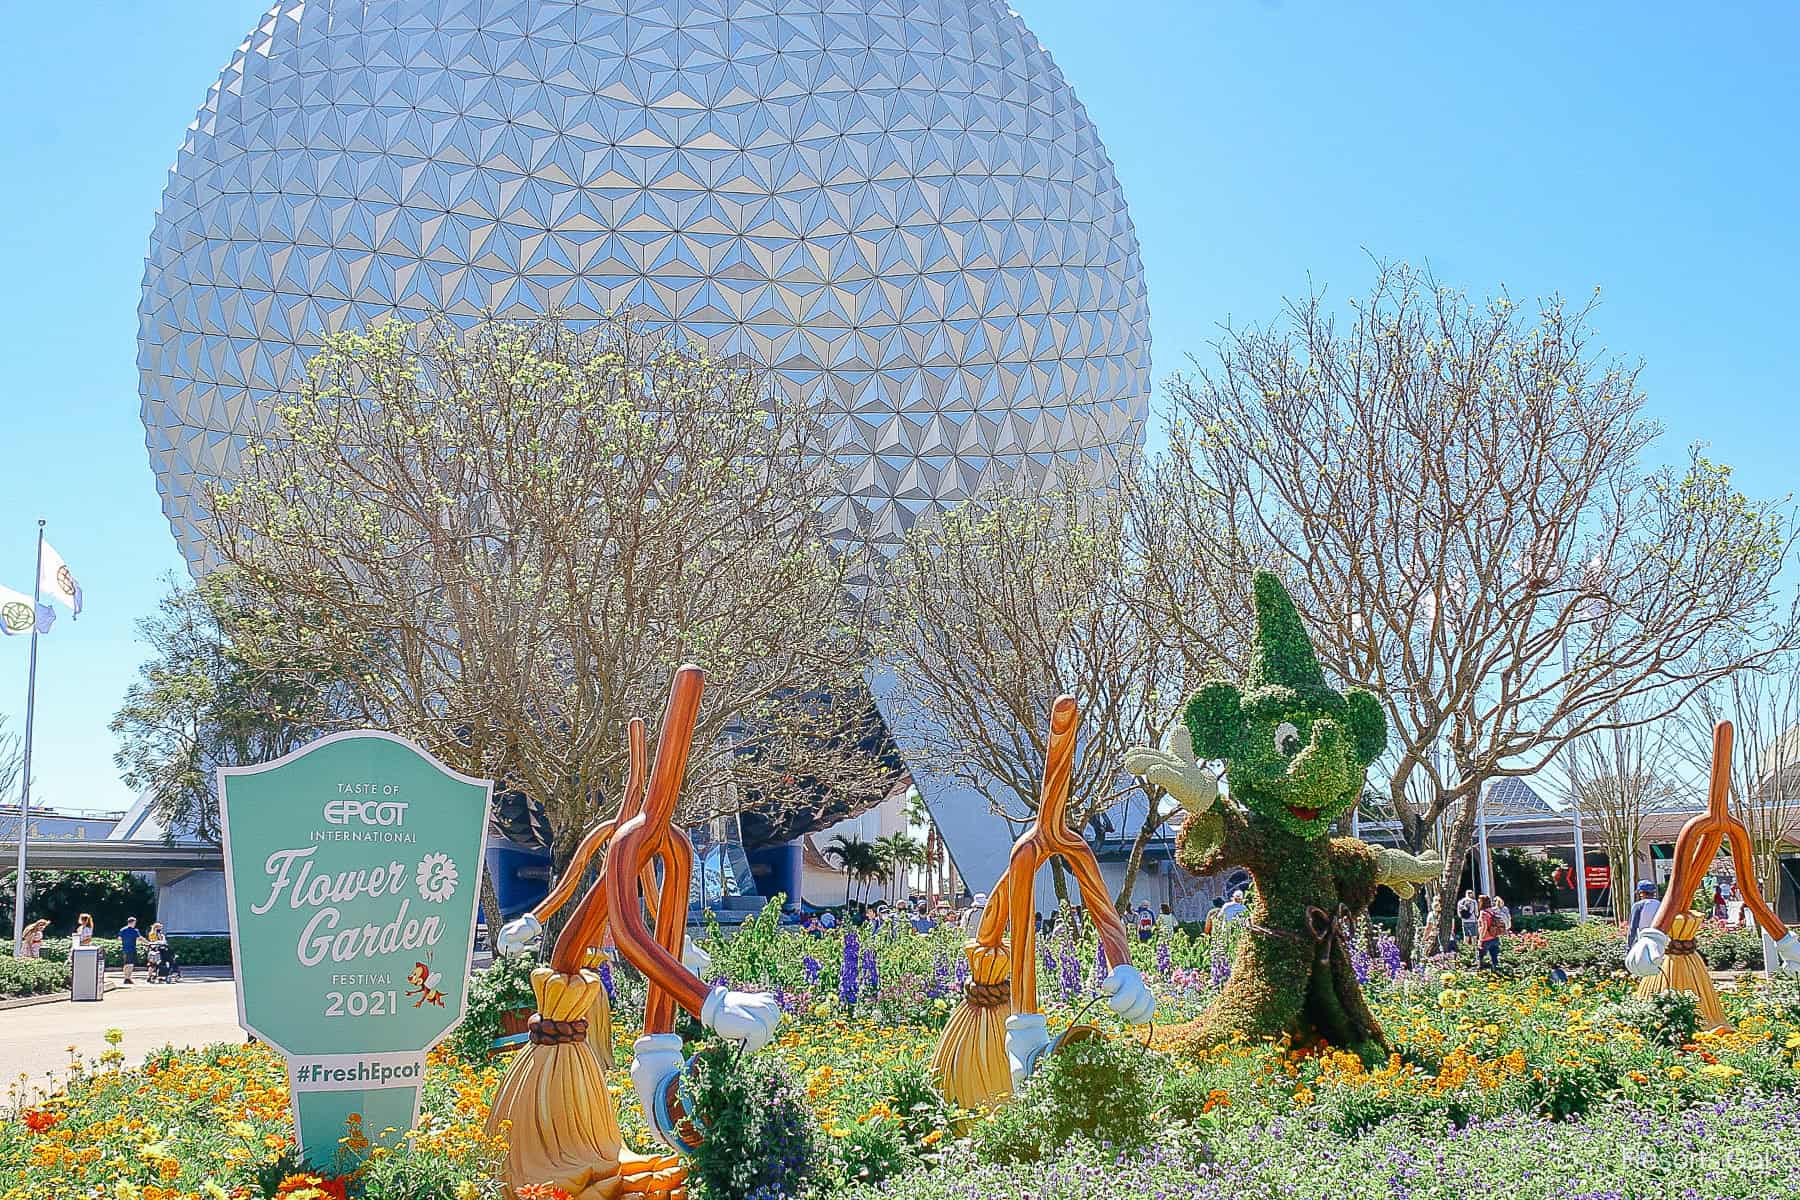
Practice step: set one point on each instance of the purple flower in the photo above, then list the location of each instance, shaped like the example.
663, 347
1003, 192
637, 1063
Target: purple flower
1165, 958
812, 967
1360, 962
1099, 965
940, 977
1221, 968
871, 973
849, 969
962, 973
1389, 950
1071, 975
606, 979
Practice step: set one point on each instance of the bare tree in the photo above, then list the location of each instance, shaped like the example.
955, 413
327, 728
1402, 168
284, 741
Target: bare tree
997, 607
507, 537
1620, 777
1765, 770
1453, 491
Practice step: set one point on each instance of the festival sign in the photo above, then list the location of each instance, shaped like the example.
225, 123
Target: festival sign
352, 870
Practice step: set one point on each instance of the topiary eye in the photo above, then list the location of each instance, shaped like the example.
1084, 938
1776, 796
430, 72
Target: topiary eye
1287, 738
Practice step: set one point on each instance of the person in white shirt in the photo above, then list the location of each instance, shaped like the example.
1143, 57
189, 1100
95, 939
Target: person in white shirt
1235, 908
84, 930
1643, 913
1466, 912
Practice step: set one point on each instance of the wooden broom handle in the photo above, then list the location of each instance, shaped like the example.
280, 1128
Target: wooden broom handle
637, 840
585, 927
1047, 837
1700, 838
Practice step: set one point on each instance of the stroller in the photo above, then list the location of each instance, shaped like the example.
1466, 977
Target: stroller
163, 966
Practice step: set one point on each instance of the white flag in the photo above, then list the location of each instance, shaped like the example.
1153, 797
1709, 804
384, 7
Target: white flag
16, 618
57, 583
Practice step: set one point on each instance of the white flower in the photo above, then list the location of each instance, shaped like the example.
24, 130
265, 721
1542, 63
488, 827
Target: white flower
436, 878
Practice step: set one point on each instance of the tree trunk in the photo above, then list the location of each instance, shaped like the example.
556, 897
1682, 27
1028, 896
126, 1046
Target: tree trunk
1406, 927
1459, 833
490, 908
1061, 880
1135, 860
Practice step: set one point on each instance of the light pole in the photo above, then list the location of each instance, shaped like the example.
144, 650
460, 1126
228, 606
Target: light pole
1487, 869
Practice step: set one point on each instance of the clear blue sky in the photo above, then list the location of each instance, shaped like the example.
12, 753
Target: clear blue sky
1650, 150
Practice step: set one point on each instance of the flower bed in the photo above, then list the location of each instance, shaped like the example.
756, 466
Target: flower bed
1541, 1089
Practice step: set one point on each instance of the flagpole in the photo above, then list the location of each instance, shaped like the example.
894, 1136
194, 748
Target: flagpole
37, 588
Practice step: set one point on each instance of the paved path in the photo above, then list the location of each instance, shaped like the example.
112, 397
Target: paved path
193, 1012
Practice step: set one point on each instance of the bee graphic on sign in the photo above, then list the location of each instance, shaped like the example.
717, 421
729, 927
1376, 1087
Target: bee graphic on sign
425, 985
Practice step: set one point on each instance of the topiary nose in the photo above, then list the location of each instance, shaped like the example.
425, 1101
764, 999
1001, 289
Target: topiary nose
1321, 766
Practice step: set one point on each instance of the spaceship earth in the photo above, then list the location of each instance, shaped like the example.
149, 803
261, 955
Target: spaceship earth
898, 206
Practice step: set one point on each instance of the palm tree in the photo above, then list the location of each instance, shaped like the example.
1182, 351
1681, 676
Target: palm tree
900, 853
858, 859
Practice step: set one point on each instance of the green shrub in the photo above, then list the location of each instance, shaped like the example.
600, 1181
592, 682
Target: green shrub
502, 988
761, 1141
1101, 1090
1670, 1017
872, 1151
60, 897
916, 1101
32, 977
206, 950
1729, 949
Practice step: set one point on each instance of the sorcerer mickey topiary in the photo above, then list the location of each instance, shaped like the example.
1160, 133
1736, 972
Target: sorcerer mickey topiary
1295, 754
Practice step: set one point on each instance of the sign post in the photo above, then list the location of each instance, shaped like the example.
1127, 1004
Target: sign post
352, 871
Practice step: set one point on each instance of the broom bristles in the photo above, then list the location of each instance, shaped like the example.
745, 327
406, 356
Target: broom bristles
557, 1116
969, 1063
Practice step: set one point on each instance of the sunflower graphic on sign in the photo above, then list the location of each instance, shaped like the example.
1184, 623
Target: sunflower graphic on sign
436, 878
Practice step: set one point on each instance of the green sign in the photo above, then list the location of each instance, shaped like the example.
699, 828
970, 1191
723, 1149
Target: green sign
352, 870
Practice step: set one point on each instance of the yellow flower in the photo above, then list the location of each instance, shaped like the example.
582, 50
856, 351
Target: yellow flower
214, 1191
466, 1190
1677, 1072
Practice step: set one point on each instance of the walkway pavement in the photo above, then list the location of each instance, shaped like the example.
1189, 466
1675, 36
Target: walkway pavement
36, 1041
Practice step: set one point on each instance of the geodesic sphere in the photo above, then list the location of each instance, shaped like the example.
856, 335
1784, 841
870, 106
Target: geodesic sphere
897, 205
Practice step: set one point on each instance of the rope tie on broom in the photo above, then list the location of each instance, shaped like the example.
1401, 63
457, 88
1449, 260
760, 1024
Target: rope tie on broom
988, 995
545, 1032
1684, 946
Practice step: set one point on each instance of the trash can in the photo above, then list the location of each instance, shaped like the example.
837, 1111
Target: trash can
87, 973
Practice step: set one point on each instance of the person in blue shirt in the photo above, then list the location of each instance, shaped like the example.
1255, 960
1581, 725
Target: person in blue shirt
128, 940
